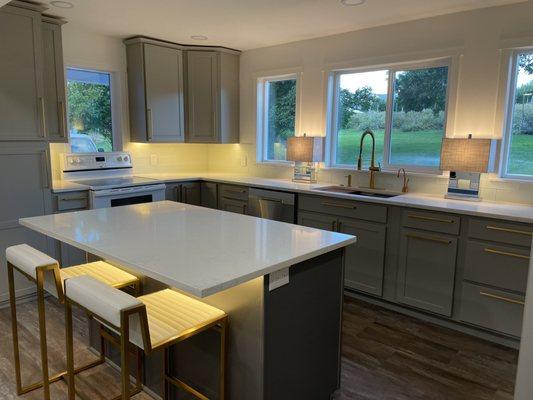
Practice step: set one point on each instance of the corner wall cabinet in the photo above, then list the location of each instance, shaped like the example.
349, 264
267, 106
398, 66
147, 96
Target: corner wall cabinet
180, 93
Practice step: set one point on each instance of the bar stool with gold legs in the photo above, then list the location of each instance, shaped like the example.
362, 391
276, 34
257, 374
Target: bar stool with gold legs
45, 272
151, 322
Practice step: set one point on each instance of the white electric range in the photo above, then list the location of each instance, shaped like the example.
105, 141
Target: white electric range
110, 179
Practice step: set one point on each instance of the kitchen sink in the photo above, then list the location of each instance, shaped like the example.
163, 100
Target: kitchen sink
358, 191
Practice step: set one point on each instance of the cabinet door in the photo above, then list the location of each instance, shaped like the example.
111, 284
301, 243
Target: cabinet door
164, 93
54, 83
21, 100
191, 193
209, 194
202, 96
426, 271
319, 221
173, 191
231, 205
364, 260
26, 193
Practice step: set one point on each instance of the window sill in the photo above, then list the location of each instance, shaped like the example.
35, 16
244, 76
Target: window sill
439, 174
496, 178
275, 164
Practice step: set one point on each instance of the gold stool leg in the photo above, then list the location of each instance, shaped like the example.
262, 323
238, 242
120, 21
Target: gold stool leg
124, 352
223, 357
70, 350
14, 327
42, 329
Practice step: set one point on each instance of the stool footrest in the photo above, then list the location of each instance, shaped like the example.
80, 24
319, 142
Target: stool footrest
182, 385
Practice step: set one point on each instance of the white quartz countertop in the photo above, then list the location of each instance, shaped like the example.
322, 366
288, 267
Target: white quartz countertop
507, 211
198, 250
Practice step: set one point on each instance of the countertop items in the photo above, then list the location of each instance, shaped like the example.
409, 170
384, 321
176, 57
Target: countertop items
508, 211
198, 250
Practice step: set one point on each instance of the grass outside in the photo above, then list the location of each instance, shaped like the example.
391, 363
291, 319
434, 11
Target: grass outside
521, 155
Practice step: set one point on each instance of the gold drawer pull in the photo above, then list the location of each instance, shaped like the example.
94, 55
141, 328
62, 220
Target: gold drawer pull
429, 238
351, 207
434, 219
235, 190
497, 228
505, 253
507, 299
232, 199
73, 199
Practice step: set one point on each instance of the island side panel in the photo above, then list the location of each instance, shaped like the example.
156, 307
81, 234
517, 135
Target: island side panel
303, 330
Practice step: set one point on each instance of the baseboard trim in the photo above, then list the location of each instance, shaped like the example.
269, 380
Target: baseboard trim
451, 324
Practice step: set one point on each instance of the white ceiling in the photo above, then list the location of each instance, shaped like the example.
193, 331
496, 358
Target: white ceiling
248, 24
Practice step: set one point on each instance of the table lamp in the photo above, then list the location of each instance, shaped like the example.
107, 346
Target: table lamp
306, 152
466, 159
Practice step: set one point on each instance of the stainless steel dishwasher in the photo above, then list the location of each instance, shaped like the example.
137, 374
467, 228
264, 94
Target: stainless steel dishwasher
270, 204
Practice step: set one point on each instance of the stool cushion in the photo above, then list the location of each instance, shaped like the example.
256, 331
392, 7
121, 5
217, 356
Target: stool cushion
102, 271
100, 299
28, 259
172, 315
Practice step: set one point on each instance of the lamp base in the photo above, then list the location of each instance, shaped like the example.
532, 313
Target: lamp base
463, 186
305, 172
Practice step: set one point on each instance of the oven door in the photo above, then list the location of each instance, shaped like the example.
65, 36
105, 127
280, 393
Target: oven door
125, 196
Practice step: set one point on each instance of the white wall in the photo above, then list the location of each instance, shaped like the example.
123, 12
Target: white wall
478, 39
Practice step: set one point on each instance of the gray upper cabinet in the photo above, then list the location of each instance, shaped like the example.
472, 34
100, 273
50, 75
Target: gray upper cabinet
54, 82
155, 85
426, 270
22, 109
212, 97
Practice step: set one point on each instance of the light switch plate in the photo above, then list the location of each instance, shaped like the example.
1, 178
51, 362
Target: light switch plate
153, 159
278, 279
244, 161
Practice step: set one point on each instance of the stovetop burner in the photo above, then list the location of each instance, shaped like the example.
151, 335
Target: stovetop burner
116, 182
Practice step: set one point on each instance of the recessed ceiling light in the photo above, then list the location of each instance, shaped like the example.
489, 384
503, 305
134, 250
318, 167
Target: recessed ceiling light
352, 2
62, 4
199, 37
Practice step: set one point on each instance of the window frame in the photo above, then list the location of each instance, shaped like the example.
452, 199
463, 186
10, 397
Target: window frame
392, 69
508, 117
115, 103
262, 112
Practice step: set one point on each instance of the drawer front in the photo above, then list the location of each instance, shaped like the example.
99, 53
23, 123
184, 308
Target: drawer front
72, 201
497, 265
432, 221
231, 205
233, 192
492, 309
499, 231
345, 208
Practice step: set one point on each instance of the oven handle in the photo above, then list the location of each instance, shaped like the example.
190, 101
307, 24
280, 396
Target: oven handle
128, 190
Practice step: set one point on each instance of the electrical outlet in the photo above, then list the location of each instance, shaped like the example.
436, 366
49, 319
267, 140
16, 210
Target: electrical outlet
278, 279
244, 161
153, 159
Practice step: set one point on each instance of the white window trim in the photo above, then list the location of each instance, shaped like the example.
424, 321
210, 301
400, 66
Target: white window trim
333, 95
261, 111
508, 118
116, 108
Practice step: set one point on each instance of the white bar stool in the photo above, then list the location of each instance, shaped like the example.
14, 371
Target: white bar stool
45, 272
158, 320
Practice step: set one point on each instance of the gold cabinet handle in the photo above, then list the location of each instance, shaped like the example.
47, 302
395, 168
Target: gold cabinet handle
62, 122
507, 299
43, 116
327, 203
45, 173
235, 190
434, 219
232, 199
72, 198
334, 226
497, 228
506, 253
429, 238
149, 124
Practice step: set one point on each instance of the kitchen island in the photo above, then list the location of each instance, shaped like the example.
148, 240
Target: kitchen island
284, 341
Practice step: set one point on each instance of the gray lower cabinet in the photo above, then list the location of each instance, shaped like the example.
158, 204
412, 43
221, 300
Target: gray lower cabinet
26, 193
209, 194
54, 82
233, 198
184, 192
156, 94
426, 270
22, 108
364, 260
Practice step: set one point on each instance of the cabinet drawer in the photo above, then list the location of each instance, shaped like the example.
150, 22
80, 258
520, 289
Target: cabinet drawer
231, 205
499, 231
233, 192
492, 309
431, 221
345, 208
496, 265
72, 201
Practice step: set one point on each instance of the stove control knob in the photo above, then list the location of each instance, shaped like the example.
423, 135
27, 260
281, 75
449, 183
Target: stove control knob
77, 160
125, 158
119, 158
71, 161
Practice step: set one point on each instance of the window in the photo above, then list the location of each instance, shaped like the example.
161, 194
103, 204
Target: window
89, 110
518, 143
404, 107
276, 111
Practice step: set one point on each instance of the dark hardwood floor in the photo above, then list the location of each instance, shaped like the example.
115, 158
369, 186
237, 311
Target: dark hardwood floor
386, 356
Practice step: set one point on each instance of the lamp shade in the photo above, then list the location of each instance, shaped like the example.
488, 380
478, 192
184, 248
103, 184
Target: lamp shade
465, 155
305, 148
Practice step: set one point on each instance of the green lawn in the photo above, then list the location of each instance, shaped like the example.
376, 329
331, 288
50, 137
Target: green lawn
521, 155
408, 148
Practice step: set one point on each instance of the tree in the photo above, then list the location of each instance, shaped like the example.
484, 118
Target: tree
524, 93
89, 108
525, 61
421, 89
282, 105
361, 100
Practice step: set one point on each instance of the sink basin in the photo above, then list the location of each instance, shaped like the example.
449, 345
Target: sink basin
358, 191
